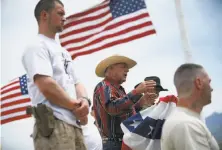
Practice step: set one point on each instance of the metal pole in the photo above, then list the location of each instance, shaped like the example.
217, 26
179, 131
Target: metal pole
183, 33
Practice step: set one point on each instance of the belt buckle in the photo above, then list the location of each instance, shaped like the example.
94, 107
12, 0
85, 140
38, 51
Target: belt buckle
105, 140
119, 139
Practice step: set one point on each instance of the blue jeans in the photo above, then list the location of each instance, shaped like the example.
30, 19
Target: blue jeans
112, 145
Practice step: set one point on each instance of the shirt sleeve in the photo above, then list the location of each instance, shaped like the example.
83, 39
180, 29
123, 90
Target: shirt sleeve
137, 106
189, 136
113, 105
36, 60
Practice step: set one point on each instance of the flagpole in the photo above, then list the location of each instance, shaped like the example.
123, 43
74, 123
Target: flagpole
183, 33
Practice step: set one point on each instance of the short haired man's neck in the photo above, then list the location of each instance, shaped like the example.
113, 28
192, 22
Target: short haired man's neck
44, 30
190, 102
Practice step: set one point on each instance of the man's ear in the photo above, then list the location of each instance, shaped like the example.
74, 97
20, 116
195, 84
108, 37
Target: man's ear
198, 83
44, 15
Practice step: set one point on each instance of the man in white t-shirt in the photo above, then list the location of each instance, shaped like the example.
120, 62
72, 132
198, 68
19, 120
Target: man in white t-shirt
52, 83
184, 129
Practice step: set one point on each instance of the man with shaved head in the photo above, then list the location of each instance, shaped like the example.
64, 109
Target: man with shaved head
184, 129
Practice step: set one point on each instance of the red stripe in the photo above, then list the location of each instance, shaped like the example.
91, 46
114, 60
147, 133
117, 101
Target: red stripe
99, 25
109, 36
15, 118
11, 89
10, 96
73, 32
15, 110
16, 102
9, 85
92, 10
168, 99
87, 19
125, 147
122, 22
114, 43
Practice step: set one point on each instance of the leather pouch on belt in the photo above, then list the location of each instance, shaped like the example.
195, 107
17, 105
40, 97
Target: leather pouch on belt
45, 121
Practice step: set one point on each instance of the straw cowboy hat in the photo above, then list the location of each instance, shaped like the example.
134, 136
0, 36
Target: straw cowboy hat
115, 59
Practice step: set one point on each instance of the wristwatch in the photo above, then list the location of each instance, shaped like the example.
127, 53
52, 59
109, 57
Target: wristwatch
86, 98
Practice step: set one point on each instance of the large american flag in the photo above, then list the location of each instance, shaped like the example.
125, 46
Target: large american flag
14, 100
110, 23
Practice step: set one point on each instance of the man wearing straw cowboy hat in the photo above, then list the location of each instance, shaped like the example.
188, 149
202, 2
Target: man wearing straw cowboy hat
111, 103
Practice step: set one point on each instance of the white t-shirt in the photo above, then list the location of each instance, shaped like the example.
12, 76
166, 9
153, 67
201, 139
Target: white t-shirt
91, 135
46, 57
184, 130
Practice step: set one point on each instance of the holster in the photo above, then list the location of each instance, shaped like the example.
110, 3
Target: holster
45, 120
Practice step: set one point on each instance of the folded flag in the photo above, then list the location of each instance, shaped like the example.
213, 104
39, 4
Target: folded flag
143, 130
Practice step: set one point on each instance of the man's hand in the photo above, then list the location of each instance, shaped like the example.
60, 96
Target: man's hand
84, 120
145, 86
148, 99
82, 110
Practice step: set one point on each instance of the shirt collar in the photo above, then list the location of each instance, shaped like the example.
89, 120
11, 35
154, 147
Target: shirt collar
189, 112
113, 84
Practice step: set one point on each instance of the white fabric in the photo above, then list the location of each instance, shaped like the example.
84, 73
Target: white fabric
46, 57
91, 135
142, 131
184, 130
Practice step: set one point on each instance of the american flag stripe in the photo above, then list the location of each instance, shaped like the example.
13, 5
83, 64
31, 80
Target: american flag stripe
98, 15
109, 25
96, 29
68, 31
108, 41
107, 35
13, 110
16, 104
9, 85
112, 27
15, 93
97, 23
83, 21
14, 117
14, 100
21, 101
74, 55
12, 84
9, 89
90, 11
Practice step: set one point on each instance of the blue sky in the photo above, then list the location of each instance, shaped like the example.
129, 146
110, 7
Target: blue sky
158, 54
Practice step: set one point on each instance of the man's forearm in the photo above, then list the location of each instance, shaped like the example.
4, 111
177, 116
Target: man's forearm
80, 90
54, 93
117, 106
